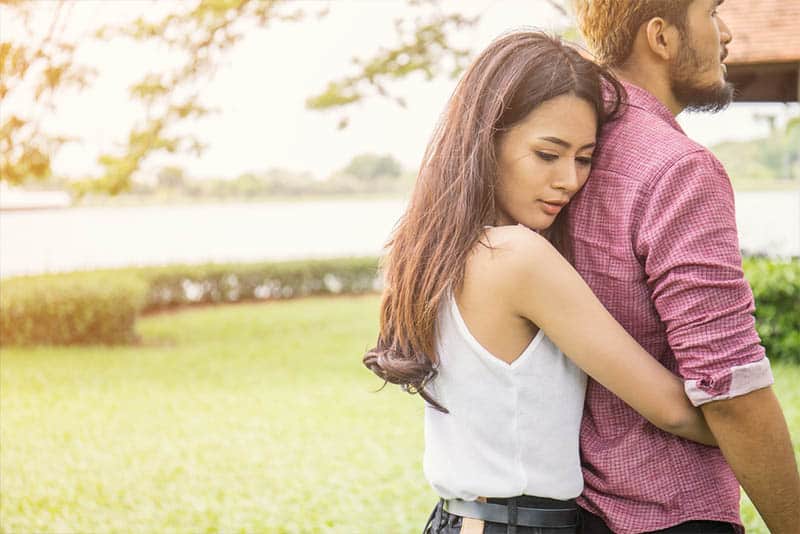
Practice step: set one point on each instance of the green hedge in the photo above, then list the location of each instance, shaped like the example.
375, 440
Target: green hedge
218, 283
79, 308
776, 288
102, 306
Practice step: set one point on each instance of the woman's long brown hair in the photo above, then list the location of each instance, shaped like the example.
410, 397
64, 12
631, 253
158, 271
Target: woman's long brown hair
453, 198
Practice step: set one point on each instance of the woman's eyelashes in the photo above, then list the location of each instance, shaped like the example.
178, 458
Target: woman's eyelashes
546, 156
549, 157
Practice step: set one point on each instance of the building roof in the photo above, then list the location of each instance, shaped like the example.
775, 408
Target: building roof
766, 31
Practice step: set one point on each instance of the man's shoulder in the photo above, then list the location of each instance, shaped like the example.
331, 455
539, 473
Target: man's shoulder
645, 148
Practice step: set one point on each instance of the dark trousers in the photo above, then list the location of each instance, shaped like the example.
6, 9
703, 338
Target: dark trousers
442, 522
592, 524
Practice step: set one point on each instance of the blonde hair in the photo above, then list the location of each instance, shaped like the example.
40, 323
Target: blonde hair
610, 26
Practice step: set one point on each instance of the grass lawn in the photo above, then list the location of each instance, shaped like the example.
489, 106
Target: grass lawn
246, 418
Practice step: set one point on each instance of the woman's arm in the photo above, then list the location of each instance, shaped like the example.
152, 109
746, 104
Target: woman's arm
544, 288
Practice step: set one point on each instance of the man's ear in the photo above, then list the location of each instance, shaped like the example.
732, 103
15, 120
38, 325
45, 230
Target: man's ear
663, 38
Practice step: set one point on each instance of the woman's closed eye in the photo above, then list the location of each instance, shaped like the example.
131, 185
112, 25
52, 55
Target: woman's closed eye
550, 157
546, 156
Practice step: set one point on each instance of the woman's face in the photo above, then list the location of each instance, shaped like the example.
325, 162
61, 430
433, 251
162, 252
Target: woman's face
543, 161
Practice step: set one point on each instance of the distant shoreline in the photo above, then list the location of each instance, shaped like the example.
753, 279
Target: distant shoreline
270, 229
141, 202
13, 209
741, 185
744, 184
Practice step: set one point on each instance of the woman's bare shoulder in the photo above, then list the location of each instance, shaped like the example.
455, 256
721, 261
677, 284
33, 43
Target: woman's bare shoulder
508, 253
515, 243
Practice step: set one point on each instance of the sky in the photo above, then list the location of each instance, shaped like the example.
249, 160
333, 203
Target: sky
261, 87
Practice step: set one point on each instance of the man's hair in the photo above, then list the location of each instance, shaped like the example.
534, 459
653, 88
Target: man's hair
610, 26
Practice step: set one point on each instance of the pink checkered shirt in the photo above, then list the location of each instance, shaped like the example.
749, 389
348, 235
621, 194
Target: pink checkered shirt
655, 237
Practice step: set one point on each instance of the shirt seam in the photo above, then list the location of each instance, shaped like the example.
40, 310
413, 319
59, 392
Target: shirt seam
658, 174
636, 223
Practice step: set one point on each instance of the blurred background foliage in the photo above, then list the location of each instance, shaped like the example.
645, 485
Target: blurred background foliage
775, 157
365, 175
116, 438
204, 32
86, 308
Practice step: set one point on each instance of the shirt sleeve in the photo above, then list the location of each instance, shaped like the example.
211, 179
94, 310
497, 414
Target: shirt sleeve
688, 241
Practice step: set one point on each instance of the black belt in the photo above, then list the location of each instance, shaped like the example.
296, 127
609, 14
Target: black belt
526, 516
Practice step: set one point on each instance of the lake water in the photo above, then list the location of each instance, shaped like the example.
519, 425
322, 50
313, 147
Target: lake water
79, 238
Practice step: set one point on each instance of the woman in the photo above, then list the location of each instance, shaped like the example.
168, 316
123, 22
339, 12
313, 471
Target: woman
479, 296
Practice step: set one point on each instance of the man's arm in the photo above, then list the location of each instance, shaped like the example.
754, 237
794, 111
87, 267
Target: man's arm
689, 243
754, 439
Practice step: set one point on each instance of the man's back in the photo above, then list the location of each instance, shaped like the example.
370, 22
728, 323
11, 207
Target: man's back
654, 235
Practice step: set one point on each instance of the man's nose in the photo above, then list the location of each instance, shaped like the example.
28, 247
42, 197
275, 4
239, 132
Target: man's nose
725, 35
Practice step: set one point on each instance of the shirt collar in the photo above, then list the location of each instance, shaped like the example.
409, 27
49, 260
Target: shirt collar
646, 101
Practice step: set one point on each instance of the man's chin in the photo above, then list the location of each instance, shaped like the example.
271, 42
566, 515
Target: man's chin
709, 99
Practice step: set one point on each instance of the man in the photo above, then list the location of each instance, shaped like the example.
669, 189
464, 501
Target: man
654, 235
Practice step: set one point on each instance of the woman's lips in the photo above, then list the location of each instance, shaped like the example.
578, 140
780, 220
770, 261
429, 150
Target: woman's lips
551, 208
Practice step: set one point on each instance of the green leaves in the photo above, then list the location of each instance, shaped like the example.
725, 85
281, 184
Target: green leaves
149, 88
201, 32
424, 47
336, 94
38, 66
22, 160
776, 289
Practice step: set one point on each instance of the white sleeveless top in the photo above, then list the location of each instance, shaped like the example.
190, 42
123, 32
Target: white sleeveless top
512, 428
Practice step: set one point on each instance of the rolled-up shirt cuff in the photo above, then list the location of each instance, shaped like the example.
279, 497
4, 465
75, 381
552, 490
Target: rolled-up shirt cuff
738, 380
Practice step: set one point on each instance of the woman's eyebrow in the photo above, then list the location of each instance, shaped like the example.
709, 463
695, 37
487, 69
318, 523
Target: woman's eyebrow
565, 144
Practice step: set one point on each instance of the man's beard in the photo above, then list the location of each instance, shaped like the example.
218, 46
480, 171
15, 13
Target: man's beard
708, 98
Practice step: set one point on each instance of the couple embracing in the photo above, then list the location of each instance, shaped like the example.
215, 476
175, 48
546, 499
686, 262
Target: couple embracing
565, 291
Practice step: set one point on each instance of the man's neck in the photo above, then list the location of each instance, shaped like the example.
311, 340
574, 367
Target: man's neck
653, 83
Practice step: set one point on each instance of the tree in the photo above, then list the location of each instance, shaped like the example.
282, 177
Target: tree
424, 46
202, 31
171, 177
368, 167
774, 157
37, 66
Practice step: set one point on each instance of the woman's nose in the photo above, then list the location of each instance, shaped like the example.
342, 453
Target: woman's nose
568, 178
